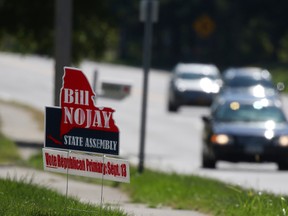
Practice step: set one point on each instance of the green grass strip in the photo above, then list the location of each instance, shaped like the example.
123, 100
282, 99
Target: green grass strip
202, 194
25, 199
9, 151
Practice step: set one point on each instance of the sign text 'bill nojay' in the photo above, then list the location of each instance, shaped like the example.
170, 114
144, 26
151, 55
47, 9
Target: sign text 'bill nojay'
78, 124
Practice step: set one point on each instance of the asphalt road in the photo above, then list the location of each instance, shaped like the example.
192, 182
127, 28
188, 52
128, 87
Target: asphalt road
172, 139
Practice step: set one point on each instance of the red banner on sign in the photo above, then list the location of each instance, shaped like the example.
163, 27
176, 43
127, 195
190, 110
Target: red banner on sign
78, 124
78, 108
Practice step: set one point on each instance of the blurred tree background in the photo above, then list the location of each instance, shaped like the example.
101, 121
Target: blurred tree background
223, 32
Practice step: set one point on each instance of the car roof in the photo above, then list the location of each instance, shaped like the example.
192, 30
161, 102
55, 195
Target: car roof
247, 72
197, 68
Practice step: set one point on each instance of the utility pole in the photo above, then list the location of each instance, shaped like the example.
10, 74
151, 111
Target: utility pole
63, 29
148, 14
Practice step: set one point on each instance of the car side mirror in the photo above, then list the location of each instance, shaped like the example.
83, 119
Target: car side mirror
206, 119
280, 86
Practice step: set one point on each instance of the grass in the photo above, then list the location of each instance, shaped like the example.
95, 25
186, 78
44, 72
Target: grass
202, 194
191, 192
21, 198
8, 151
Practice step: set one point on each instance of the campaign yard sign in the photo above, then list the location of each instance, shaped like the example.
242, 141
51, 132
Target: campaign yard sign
86, 165
78, 124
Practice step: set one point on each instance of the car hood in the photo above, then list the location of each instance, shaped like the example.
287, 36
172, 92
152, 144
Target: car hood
190, 84
204, 84
257, 91
249, 128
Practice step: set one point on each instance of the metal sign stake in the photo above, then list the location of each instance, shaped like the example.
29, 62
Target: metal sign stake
102, 183
147, 16
67, 180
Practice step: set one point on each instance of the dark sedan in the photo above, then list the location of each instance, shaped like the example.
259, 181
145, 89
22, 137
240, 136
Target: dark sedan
245, 131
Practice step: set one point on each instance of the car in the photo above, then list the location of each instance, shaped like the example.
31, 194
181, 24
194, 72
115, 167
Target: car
253, 92
193, 84
247, 77
245, 130
249, 82
254, 73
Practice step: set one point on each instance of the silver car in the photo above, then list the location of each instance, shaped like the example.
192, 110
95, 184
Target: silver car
193, 84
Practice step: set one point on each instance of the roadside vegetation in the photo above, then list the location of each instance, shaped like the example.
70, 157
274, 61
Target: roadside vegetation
8, 151
227, 33
279, 75
202, 194
158, 189
20, 198
190, 192
153, 188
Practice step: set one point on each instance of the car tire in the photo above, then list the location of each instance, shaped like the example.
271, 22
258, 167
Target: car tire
208, 163
172, 107
283, 165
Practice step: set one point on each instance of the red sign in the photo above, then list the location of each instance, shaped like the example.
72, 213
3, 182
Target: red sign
79, 124
77, 104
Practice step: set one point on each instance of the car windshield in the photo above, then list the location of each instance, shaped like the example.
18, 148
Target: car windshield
247, 82
255, 112
186, 75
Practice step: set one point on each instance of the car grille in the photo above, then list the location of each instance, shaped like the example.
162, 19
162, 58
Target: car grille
251, 140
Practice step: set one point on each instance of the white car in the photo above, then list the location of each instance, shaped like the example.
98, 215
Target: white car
193, 84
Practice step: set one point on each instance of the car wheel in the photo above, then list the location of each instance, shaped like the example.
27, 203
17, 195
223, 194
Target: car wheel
208, 162
172, 107
283, 165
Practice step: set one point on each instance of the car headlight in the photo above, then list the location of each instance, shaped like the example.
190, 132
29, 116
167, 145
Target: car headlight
283, 141
221, 139
180, 86
209, 86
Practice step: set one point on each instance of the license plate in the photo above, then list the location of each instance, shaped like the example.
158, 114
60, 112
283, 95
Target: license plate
254, 149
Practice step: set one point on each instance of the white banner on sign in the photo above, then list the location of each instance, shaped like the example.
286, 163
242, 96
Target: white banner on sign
86, 165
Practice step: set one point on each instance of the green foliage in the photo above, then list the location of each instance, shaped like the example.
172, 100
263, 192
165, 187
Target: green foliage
27, 26
237, 32
283, 50
36, 161
279, 75
202, 194
8, 149
22, 198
